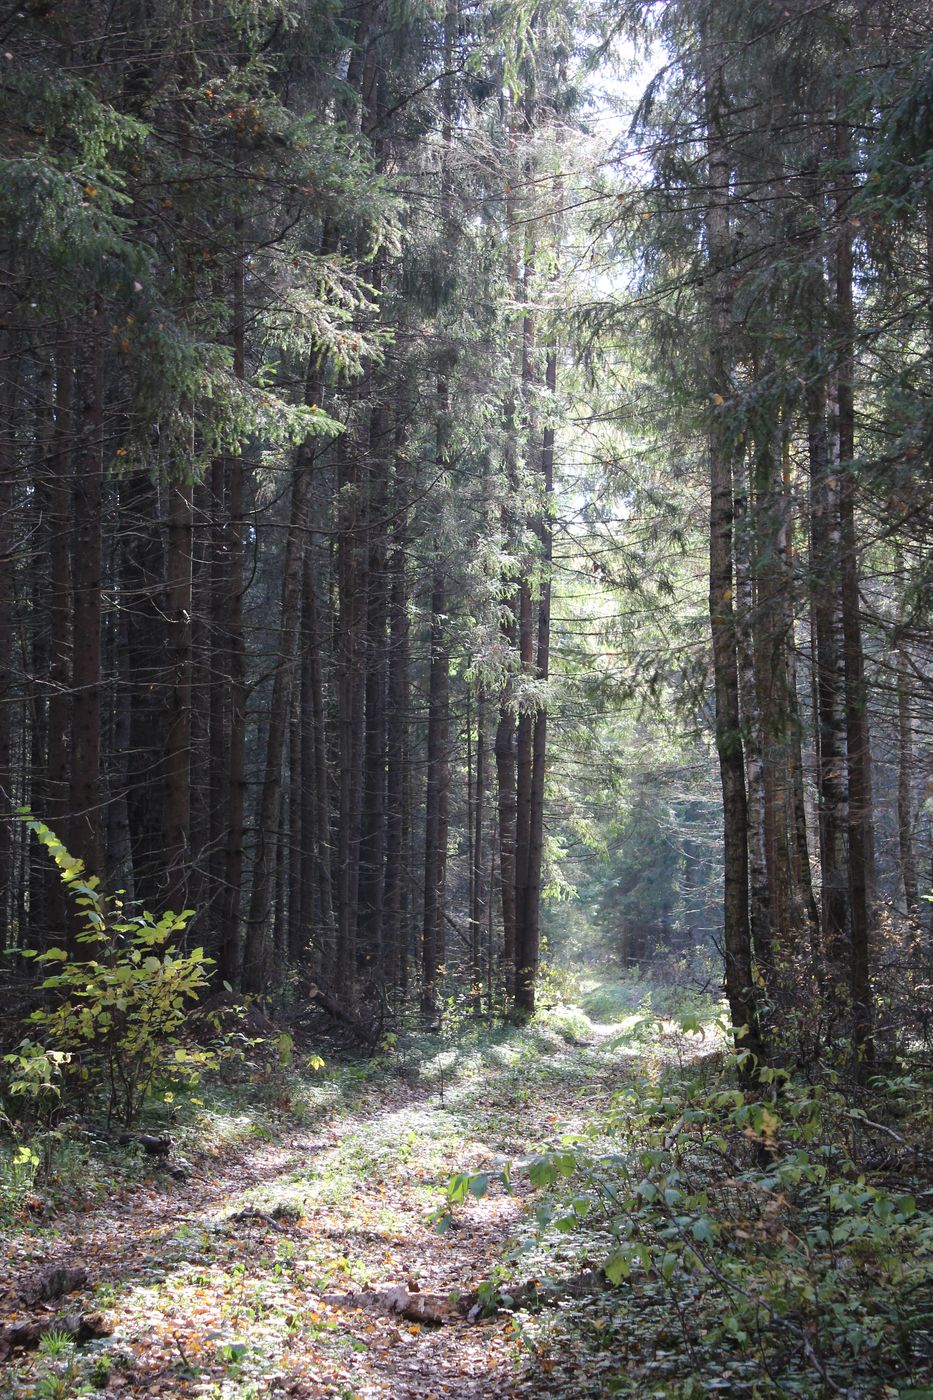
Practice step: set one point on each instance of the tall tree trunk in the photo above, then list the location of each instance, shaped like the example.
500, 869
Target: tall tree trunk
234, 651
824, 630
801, 873
438, 735
740, 987
397, 874
858, 751
300, 833
524, 734
85, 792
373, 824
143, 603
7, 600
760, 892
220, 570
315, 777
228, 588
477, 852
40, 530
306, 920
178, 739
119, 835
528, 954
905, 774
257, 934
436, 795
60, 610
505, 783
257, 945
351, 595
200, 775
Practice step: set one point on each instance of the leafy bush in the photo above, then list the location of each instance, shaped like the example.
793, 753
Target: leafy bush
761, 1203
114, 1018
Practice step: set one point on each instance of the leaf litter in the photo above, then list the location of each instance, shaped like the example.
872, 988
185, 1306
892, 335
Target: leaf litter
310, 1266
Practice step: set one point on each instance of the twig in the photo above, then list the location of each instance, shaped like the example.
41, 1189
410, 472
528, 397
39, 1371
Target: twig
181, 1351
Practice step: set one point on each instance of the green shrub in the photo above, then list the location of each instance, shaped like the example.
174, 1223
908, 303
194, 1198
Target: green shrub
754, 1199
113, 1021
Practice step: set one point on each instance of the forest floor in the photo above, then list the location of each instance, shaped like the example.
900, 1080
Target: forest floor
334, 1216
307, 1217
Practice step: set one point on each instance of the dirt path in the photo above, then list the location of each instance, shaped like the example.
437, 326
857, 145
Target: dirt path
281, 1302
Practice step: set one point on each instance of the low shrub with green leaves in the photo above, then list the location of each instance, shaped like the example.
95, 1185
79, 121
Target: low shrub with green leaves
112, 1021
776, 1222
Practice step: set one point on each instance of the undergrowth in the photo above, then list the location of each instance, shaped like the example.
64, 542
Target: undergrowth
765, 1241
672, 1231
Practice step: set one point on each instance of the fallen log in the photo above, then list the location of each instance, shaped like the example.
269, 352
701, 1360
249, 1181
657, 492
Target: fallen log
155, 1146
435, 1309
368, 1035
539, 1293
250, 1215
400, 1301
42, 1288
80, 1327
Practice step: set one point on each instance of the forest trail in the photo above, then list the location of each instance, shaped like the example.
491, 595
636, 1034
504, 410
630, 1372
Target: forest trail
263, 1273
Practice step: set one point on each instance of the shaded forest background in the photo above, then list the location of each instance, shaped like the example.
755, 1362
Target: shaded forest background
443, 495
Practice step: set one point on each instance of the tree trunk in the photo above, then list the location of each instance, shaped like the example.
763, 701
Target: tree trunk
824, 630
230, 584
221, 570
373, 825
760, 891
477, 871
740, 987
315, 777
905, 773
60, 612
257, 942
85, 792
860, 832
528, 954
351, 594
436, 796
119, 835
7, 599
178, 739
397, 873
505, 781
524, 734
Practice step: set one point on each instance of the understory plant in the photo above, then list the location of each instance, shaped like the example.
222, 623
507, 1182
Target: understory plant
112, 1019
779, 1220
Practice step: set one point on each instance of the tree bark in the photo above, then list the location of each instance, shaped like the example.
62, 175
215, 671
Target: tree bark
905, 773
397, 759
7, 600
230, 585
178, 738
760, 889
740, 986
858, 751
477, 853
436, 795
257, 939
824, 628
60, 610
528, 953
85, 791
373, 825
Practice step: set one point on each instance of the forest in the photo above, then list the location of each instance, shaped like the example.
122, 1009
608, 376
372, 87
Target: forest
466, 698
